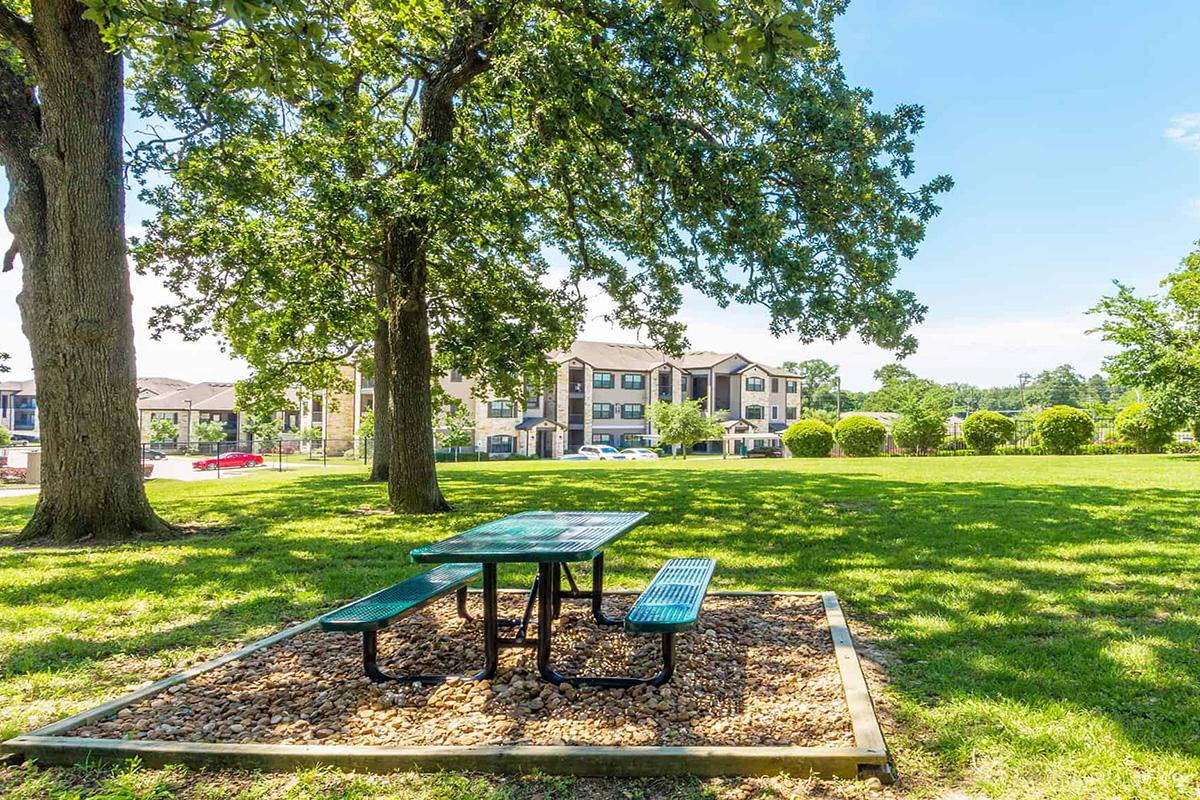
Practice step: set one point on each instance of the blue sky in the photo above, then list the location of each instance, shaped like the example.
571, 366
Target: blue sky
1066, 127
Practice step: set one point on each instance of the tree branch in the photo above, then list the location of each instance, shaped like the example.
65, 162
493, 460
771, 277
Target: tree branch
19, 31
10, 257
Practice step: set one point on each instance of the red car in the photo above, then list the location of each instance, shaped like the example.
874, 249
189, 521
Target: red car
229, 461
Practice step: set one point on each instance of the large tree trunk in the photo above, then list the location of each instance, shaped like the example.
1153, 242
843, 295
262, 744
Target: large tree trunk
412, 478
66, 213
381, 458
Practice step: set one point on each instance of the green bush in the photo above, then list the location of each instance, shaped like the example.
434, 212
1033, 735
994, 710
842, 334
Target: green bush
920, 430
1063, 429
1019, 450
1138, 426
808, 438
1180, 447
860, 436
1107, 449
986, 430
5, 437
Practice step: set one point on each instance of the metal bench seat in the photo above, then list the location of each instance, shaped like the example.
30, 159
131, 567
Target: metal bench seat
375, 612
671, 603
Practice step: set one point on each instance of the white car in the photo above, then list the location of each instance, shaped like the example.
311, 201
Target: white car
602, 452
639, 454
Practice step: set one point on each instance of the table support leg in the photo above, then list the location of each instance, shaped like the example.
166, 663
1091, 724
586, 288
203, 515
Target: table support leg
558, 568
546, 623
598, 593
491, 624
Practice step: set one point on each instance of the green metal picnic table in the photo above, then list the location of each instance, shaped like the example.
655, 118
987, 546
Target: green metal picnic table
550, 539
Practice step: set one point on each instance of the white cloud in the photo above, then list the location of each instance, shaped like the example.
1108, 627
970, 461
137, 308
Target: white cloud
1185, 129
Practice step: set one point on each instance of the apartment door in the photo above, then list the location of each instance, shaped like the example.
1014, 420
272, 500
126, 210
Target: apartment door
545, 444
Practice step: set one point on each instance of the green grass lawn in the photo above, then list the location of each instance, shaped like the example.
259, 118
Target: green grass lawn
1038, 615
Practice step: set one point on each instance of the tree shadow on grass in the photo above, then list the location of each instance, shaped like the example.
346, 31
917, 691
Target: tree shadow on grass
1065, 594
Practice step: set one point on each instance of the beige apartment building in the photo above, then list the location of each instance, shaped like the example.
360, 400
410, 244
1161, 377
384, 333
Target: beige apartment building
602, 391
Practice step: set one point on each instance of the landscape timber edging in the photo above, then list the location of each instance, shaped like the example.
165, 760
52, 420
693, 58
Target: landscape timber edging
868, 758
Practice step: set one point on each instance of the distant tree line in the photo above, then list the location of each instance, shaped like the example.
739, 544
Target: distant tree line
901, 388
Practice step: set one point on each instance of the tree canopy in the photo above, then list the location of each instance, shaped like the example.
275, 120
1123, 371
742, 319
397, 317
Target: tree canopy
448, 149
1159, 339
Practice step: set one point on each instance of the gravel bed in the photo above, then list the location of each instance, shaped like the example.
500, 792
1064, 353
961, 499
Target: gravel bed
756, 671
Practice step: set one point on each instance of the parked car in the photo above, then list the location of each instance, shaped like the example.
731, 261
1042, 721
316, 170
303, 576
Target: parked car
764, 451
575, 457
639, 454
22, 439
602, 452
155, 455
229, 461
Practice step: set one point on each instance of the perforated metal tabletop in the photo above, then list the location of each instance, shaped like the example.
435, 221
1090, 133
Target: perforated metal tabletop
534, 537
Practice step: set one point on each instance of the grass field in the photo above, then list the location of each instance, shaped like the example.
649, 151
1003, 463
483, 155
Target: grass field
1038, 615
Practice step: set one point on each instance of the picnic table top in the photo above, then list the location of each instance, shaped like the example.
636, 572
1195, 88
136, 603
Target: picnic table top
533, 536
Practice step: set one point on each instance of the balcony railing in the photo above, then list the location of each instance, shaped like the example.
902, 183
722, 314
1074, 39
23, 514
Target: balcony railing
576, 387
574, 419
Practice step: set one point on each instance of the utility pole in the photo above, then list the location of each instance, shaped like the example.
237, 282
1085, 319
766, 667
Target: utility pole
1023, 380
837, 384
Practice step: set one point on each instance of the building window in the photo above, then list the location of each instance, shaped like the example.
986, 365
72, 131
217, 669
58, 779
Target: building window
633, 411
774, 412
633, 381
318, 411
664, 384
602, 438
791, 387
683, 383
500, 444
367, 382
455, 376
602, 380
774, 384
754, 412
602, 411
534, 402
791, 412
755, 384
631, 440
501, 409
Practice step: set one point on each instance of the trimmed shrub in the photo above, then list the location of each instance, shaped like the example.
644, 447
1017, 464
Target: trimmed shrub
986, 430
920, 430
1019, 450
808, 438
1063, 429
1138, 426
860, 436
1180, 447
1108, 449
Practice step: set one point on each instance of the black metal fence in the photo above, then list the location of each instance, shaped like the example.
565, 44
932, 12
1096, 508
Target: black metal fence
247, 454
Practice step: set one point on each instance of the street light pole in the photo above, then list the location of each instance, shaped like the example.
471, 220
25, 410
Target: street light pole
837, 383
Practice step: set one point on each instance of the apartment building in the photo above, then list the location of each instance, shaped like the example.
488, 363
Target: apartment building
18, 406
602, 390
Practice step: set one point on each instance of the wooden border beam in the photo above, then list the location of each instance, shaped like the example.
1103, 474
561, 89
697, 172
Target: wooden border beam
869, 757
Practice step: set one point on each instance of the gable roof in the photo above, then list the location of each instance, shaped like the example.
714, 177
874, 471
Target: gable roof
151, 387
206, 396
